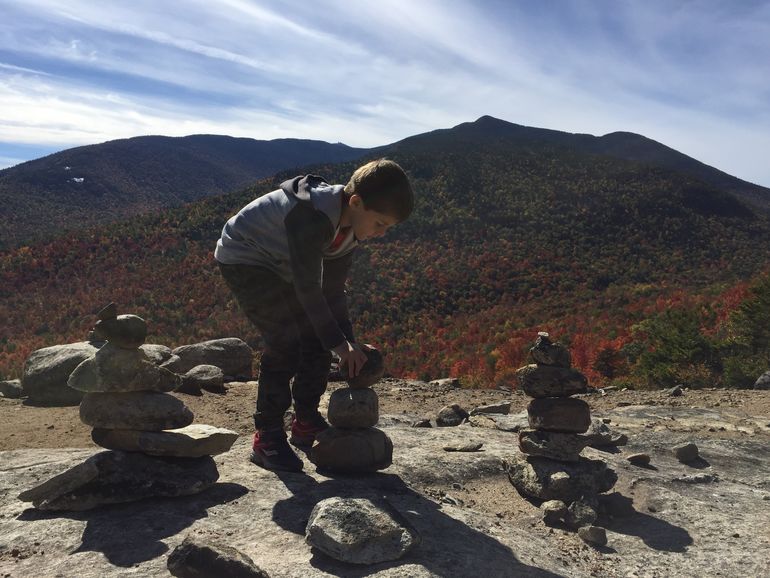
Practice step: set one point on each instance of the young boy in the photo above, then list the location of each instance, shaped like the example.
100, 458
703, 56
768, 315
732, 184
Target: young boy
286, 257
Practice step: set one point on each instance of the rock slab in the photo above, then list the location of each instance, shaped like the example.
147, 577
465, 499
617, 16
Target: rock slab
359, 531
148, 411
193, 441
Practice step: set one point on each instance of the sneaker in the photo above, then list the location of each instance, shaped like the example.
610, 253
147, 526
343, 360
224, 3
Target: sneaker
303, 433
271, 451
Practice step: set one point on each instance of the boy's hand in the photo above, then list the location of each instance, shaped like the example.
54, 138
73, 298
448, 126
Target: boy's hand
352, 358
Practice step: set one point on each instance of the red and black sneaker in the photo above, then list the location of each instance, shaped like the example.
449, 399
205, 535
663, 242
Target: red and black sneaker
304, 431
271, 451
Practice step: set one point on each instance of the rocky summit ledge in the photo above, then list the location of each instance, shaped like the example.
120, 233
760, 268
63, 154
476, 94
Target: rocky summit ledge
664, 518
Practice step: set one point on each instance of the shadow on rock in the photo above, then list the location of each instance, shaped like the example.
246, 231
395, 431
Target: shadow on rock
698, 463
131, 533
449, 547
654, 532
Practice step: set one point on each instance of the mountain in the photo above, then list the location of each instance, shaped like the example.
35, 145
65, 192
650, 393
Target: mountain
510, 236
110, 181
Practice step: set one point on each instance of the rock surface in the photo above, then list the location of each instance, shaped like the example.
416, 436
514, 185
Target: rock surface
193, 441
139, 410
47, 370
232, 355
198, 558
351, 408
360, 531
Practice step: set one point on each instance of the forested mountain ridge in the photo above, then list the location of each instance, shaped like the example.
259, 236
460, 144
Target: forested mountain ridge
649, 275
117, 179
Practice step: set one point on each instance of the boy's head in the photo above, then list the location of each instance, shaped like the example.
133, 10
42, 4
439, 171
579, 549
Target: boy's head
383, 187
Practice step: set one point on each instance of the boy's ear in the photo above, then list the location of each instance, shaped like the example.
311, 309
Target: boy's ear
356, 201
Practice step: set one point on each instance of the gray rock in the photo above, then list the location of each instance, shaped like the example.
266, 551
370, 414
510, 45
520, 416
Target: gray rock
554, 445
451, 415
547, 479
686, 452
675, 391
546, 352
232, 355
351, 408
559, 414
11, 389
208, 377
47, 370
175, 364
639, 459
148, 411
464, 447
359, 531
193, 441
593, 535
547, 381
422, 423
445, 382
554, 511
370, 373
763, 381
199, 558
352, 450
114, 369
503, 407
127, 331
156, 353
581, 513
113, 477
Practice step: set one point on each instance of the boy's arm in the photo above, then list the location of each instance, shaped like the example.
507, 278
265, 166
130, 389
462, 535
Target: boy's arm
335, 273
308, 232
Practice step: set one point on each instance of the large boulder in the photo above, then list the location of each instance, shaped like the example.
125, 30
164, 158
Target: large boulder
547, 381
47, 370
232, 355
193, 441
359, 531
351, 451
114, 368
351, 408
140, 410
113, 477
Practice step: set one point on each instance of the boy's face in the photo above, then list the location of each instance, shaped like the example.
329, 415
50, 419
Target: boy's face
368, 223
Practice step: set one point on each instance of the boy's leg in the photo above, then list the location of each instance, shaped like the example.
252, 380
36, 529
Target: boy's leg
266, 299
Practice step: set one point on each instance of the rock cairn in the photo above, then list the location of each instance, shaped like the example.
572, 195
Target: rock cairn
156, 449
353, 445
552, 468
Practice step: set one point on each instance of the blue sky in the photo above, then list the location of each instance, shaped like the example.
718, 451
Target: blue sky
694, 75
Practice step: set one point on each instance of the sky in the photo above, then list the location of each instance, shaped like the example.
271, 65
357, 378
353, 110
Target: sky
694, 75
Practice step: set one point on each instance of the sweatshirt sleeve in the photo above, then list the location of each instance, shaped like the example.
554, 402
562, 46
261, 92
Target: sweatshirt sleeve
309, 231
335, 273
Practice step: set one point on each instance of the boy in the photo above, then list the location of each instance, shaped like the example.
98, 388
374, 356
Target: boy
286, 257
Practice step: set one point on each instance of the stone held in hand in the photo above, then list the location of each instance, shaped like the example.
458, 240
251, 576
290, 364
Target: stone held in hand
352, 450
370, 373
193, 441
547, 381
559, 414
545, 352
554, 445
199, 558
148, 411
112, 477
127, 331
359, 530
353, 408
114, 369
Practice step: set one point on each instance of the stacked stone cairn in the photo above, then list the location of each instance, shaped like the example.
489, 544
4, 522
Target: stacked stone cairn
353, 445
156, 450
552, 469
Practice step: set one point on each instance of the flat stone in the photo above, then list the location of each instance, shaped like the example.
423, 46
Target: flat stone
686, 452
451, 415
548, 381
353, 408
547, 479
554, 445
503, 407
114, 369
188, 442
11, 389
360, 530
559, 414
372, 371
112, 477
231, 354
47, 370
352, 450
639, 459
545, 352
466, 447
149, 411
593, 535
127, 331
199, 558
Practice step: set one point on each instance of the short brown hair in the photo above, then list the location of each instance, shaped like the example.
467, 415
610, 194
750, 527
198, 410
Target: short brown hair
383, 187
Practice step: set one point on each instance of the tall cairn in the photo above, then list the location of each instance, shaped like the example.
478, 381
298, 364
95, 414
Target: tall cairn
353, 445
156, 450
552, 468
